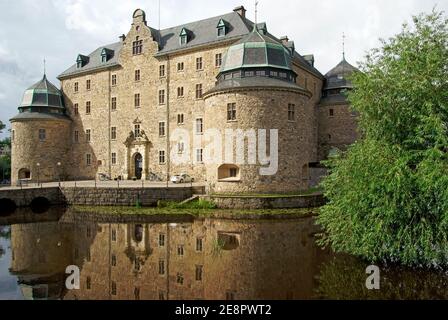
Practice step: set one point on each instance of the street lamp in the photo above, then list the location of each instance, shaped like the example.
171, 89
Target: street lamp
59, 173
38, 173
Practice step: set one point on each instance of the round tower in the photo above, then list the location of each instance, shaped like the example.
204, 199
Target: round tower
337, 122
256, 92
40, 135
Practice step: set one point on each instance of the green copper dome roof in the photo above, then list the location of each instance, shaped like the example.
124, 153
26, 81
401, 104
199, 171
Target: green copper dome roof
257, 50
42, 94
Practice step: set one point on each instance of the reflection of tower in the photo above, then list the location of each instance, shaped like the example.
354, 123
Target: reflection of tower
40, 254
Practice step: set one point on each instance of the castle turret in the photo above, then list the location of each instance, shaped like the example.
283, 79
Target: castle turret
337, 122
40, 135
256, 90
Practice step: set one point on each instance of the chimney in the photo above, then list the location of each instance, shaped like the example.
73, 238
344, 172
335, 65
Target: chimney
122, 37
241, 11
284, 40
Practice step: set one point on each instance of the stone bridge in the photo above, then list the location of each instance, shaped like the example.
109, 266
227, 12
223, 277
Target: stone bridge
14, 198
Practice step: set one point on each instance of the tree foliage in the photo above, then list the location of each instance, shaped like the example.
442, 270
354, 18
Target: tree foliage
388, 194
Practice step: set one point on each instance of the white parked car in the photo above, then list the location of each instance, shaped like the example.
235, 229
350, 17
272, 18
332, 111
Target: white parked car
182, 178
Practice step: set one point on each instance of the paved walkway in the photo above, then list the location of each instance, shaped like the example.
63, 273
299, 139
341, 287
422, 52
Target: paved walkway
103, 184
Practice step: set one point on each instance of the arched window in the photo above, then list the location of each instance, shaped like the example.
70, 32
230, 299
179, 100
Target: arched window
24, 174
228, 172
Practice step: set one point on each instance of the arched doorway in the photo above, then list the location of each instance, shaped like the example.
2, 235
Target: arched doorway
24, 174
138, 165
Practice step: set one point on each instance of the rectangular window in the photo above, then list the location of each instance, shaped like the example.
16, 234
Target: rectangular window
76, 136
199, 273
76, 87
88, 159
199, 65
114, 80
113, 288
260, 73
180, 278
162, 71
180, 118
114, 235
218, 60
42, 134
199, 91
137, 46
199, 244
161, 267
199, 155
180, 66
180, 250
161, 295
13, 135
180, 92
88, 283
137, 130
113, 261
114, 158
88, 83
230, 295
113, 133
231, 112
76, 109
199, 126
161, 240
161, 96
291, 112
180, 147
331, 112
162, 129
137, 293
162, 157
88, 107
137, 75
88, 135
137, 100
114, 103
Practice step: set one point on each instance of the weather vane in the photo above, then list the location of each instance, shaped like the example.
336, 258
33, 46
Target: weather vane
45, 67
343, 45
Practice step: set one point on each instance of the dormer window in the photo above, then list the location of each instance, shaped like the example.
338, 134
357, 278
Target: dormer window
222, 28
106, 54
184, 37
81, 61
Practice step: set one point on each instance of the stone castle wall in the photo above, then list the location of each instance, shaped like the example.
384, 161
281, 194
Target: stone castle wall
265, 109
28, 150
338, 130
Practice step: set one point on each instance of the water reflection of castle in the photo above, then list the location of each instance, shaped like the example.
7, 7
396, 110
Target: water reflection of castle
203, 259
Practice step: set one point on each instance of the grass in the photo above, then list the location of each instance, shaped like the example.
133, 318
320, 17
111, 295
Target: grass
273, 195
192, 209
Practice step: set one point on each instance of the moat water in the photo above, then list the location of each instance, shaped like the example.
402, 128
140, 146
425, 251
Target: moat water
189, 259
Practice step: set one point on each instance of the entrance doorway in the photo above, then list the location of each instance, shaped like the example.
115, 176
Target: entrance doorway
138, 166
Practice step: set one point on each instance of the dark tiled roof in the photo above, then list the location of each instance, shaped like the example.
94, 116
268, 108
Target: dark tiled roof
29, 116
203, 32
337, 77
95, 62
254, 82
45, 85
334, 100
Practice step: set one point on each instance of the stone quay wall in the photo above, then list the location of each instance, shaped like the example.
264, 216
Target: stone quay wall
286, 202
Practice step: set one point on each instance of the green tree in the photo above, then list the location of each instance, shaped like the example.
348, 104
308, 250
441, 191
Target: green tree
388, 194
2, 126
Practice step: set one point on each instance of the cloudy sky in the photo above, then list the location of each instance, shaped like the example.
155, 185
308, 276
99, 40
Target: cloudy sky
58, 30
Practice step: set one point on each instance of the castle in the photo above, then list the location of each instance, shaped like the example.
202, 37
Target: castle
149, 106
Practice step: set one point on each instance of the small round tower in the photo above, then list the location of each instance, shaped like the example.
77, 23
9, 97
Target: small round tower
256, 90
40, 135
